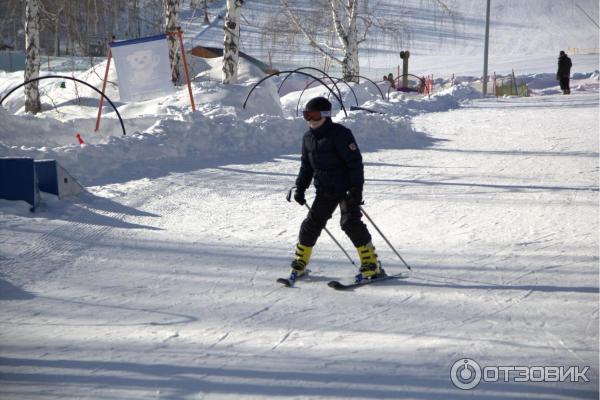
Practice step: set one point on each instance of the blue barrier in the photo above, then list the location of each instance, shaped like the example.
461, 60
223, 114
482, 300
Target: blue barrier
18, 180
24, 178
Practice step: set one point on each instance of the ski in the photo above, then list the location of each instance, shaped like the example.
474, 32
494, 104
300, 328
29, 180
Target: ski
345, 286
291, 281
286, 281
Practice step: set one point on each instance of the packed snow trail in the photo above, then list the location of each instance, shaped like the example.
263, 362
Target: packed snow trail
165, 288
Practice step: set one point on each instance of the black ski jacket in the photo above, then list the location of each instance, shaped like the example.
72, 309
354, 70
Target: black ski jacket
331, 156
564, 67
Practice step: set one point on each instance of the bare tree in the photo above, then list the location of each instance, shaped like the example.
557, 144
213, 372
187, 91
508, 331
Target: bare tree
81, 27
11, 23
231, 42
172, 23
345, 15
50, 25
205, 9
352, 21
32, 65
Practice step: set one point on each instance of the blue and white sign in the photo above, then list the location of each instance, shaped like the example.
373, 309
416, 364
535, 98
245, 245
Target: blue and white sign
143, 68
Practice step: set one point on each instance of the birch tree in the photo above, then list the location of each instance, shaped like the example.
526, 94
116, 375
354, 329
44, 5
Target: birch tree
345, 16
172, 23
32, 64
352, 20
231, 42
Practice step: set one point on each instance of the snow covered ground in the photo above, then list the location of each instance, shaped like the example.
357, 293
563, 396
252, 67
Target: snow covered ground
159, 283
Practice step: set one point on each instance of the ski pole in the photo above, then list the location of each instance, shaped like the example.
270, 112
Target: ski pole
384, 238
289, 197
336, 242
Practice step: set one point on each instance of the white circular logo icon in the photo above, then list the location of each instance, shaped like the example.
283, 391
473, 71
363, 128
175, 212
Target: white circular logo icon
465, 374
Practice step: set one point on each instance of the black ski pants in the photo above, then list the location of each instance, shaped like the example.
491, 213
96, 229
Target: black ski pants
564, 85
322, 209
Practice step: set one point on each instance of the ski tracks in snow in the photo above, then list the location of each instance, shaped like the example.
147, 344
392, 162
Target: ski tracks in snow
499, 240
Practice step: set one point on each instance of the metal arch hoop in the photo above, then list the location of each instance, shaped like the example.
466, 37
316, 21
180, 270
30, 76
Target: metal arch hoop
300, 97
325, 74
296, 72
70, 78
308, 85
398, 79
338, 79
374, 84
349, 87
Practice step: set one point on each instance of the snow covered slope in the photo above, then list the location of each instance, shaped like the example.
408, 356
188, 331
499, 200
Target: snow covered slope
522, 34
159, 283
163, 287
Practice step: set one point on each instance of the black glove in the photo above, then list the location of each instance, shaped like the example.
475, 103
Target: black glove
299, 197
354, 197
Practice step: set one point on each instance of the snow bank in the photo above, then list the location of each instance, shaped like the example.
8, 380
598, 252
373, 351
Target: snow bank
195, 136
164, 132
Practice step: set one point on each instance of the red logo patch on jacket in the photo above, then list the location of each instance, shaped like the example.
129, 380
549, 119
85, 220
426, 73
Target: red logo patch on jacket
352, 146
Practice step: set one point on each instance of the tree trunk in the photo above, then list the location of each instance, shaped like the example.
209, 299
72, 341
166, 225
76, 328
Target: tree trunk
350, 66
231, 42
69, 28
206, 21
135, 22
96, 16
57, 36
348, 34
32, 46
172, 23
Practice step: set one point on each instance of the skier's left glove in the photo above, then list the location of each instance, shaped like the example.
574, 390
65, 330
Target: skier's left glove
354, 197
299, 197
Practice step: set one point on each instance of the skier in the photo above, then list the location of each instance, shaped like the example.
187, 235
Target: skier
564, 72
331, 156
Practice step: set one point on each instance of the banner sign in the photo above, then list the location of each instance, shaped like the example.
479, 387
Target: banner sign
143, 68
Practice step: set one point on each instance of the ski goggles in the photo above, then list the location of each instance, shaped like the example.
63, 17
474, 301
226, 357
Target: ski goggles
315, 115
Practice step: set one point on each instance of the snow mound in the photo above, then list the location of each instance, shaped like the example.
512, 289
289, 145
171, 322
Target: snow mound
163, 133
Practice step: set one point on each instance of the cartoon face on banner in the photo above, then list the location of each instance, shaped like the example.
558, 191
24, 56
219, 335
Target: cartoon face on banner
143, 68
142, 64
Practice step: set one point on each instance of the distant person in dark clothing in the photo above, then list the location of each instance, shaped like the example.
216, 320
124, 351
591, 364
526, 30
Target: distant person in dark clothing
564, 72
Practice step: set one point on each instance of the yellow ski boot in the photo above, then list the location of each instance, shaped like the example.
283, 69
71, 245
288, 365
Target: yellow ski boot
298, 267
370, 267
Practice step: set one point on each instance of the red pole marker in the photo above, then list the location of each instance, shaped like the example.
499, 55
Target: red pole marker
103, 88
79, 139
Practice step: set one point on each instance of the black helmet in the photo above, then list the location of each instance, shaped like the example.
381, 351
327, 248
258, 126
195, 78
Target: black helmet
318, 104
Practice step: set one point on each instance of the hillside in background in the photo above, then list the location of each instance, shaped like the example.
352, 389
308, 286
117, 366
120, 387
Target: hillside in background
438, 41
